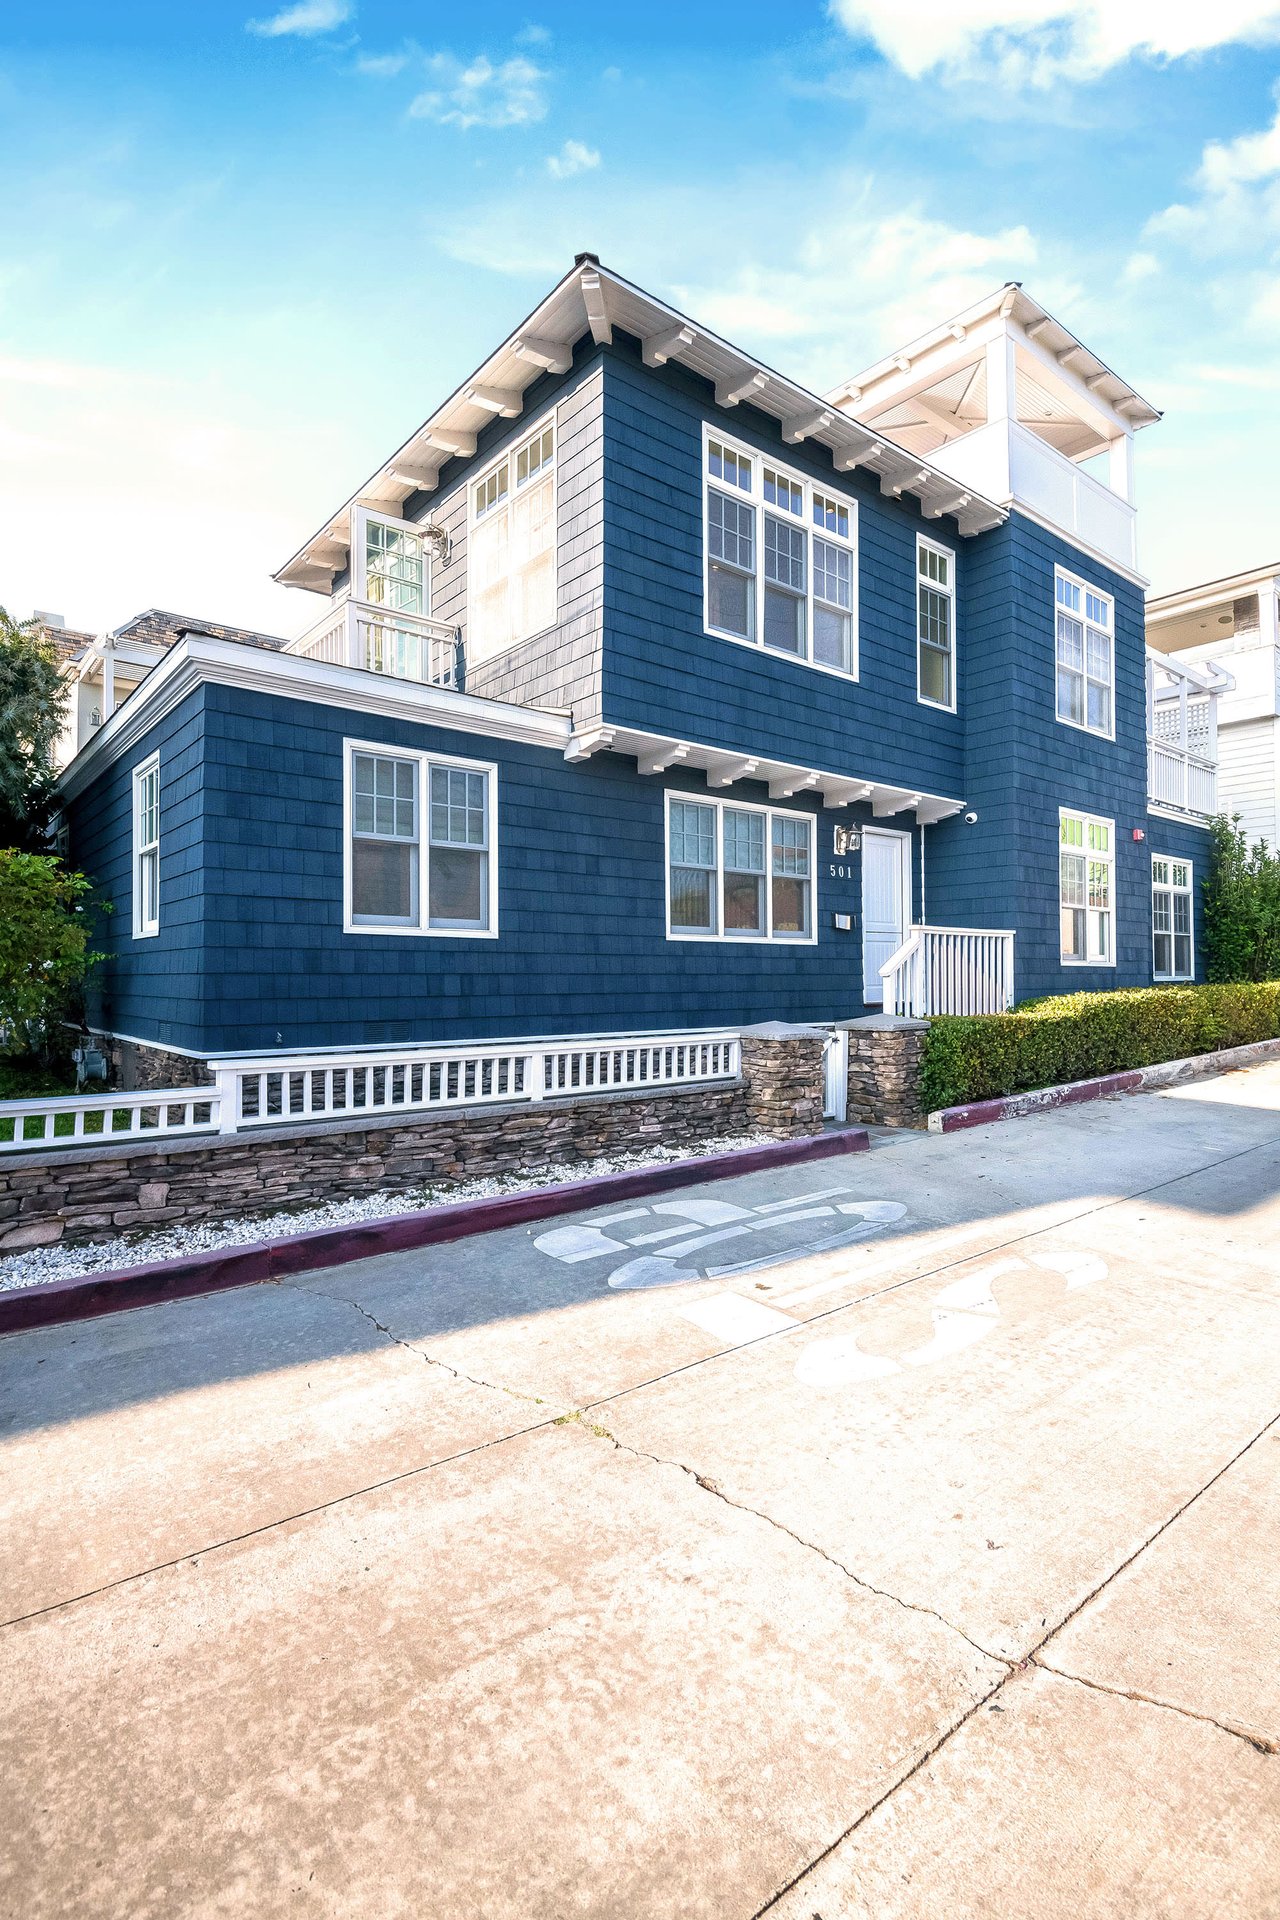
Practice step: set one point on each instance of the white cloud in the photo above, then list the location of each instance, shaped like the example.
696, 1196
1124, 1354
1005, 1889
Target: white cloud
382, 66
306, 18
533, 36
1232, 216
480, 94
1034, 42
573, 157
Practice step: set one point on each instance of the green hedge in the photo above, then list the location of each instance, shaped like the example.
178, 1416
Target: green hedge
1075, 1036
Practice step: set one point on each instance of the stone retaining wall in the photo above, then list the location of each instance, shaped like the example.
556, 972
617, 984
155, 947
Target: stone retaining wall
134, 1066
92, 1193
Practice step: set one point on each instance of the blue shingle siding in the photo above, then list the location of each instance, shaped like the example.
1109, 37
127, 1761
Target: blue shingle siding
663, 673
151, 988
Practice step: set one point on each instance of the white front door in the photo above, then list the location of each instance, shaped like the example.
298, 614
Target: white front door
886, 904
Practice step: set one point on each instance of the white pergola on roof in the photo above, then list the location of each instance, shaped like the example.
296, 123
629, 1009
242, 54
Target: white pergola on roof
591, 298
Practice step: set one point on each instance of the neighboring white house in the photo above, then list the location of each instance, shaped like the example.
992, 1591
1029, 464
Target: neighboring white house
1234, 624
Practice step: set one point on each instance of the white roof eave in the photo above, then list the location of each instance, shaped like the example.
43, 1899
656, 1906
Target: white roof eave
592, 299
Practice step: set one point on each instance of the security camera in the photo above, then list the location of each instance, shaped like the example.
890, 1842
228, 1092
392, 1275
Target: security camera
971, 819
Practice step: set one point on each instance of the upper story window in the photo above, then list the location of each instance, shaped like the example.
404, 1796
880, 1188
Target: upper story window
1172, 945
511, 585
738, 873
781, 559
935, 624
395, 567
146, 848
1086, 654
420, 843
1086, 886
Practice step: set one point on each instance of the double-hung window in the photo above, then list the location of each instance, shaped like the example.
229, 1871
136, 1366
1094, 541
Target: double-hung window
1085, 654
1172, 944
738, 873
146, 848
511, 568
935, 624
781, 559
1086, 889
420, 843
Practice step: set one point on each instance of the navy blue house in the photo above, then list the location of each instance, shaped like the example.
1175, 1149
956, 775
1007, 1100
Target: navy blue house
653, 692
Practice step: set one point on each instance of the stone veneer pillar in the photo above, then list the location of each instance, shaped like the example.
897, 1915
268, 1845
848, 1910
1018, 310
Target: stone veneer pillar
782, 1077
884, 1070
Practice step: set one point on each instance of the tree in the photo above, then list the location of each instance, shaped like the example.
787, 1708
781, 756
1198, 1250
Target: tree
33, 705
1241, 906
44, 947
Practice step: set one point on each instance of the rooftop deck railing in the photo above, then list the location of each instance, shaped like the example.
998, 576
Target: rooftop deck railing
407, 646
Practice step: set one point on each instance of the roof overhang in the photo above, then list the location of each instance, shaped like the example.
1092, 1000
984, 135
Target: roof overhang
656, 753
1052, 342
591, 299
1212, 593
197, 661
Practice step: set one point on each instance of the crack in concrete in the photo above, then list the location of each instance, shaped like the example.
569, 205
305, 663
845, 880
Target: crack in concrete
1016, 1669
740, 1506
1261, 1742
493, 1386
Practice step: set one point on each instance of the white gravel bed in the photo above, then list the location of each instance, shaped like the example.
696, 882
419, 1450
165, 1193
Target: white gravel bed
140, 1249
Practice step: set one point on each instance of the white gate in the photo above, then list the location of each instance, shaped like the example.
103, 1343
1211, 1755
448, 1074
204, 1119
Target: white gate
835, 1077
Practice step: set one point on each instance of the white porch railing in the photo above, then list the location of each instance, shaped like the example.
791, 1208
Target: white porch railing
76, 1119
1181, 781
255, 1093
949, 970
379, 640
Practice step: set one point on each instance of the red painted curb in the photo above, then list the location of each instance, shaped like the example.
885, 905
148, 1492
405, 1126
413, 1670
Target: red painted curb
89, 1295
1015, 1106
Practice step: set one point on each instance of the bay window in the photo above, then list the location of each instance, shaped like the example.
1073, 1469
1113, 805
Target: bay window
1086, 876
738, 872
1172, 942
781, 559
1085, 626
420, 843
511, 556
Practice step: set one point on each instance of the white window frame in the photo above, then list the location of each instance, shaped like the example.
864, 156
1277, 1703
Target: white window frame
925, 545
144, 926
768, 938
392, 930
1085, 587
1089, 958
1166, 886
755, 498
551, 469
359, 570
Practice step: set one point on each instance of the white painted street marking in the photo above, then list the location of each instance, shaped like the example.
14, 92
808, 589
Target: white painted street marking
728, 1317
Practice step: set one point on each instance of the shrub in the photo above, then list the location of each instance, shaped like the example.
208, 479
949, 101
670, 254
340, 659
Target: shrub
1241, 907
1077, 1036
44, 947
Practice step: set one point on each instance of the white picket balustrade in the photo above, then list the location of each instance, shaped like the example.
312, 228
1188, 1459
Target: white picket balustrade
85, 1119
950, 970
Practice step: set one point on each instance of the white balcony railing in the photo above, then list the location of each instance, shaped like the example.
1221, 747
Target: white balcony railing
1182, 735
949, 970
257, 1093
407, 646
1181, 781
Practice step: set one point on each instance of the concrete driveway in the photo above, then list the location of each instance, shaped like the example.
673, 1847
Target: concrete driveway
890, 1537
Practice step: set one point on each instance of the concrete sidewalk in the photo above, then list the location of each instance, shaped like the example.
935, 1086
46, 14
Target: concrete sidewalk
898, 1536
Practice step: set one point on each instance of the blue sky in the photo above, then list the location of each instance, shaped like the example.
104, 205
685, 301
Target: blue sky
244, 251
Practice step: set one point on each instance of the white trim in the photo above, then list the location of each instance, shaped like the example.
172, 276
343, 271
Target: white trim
1166, 886
1099, 593
382, 1049
533, 430
923, 540
197, 661
425, 760
1112, 910
674, 796
144, 929
755, 497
